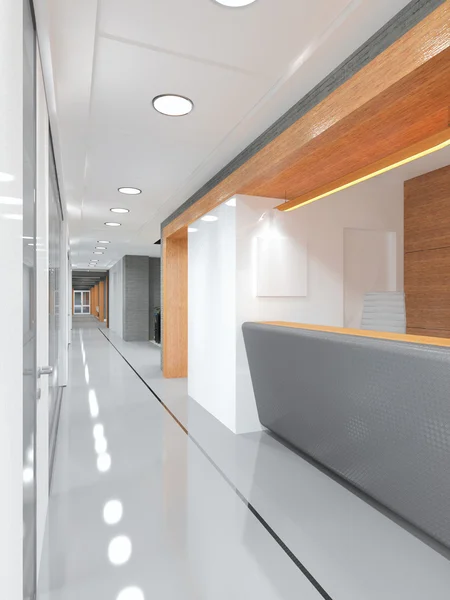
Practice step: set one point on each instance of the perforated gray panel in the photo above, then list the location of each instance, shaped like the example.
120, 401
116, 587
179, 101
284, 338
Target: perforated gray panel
375, 412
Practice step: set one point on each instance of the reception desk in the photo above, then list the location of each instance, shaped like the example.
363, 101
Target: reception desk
372, 407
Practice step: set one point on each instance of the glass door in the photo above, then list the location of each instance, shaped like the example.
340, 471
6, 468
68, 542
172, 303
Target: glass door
82, 302
56, 314
30, 396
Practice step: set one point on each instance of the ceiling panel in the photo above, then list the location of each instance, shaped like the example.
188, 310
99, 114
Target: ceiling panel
105, 60
261, 38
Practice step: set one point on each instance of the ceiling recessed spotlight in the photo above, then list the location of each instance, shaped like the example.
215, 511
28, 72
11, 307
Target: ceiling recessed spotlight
6, 177
209, 218
97, 253
100, 247
103, 242
235, 3
130, 191
192, 229
112, 224
119, 210
173, 105
231, 201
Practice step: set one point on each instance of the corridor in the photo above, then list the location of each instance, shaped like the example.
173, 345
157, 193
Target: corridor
153, 500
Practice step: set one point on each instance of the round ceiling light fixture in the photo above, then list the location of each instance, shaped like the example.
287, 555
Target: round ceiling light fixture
119, 210
130, 191
100, 247
235, 3
103, 242
97, 253
173, 105
112, 224
209, 218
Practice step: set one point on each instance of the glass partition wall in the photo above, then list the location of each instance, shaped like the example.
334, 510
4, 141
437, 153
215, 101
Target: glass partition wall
55, 313
30, 397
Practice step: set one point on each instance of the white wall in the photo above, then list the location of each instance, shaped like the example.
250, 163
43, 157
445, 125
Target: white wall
116, 298
11, 325
212, 315
373, 205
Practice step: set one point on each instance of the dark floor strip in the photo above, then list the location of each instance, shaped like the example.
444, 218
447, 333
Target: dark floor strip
251, 508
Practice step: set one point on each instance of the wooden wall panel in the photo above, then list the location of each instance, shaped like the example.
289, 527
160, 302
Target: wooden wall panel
175, 305
427, 253
101, 301
427, 211
436, 333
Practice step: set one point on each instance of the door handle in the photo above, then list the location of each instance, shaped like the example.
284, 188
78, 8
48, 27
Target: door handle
44, 371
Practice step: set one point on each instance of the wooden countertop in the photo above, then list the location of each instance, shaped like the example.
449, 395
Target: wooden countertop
381, 335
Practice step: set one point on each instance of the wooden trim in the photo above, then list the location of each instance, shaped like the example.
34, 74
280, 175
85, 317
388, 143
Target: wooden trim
175, 305
397, 159
379, 335
101, 301
107, 299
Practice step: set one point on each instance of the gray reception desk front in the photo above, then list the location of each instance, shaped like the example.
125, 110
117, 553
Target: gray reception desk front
374, 408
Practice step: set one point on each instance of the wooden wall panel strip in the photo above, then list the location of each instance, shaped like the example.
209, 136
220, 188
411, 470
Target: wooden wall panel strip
436, 333
101, 301
427, 211
427, 252
175, 307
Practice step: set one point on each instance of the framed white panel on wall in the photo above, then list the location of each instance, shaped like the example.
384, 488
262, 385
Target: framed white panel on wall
281, 267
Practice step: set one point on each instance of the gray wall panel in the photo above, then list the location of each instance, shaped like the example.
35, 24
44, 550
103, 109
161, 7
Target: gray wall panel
136, 318
375, 412
155, 289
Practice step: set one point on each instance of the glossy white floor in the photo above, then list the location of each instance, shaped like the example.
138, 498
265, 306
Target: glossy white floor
147, 504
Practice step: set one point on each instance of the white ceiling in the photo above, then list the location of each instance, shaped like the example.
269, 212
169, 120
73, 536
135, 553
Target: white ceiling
105, 60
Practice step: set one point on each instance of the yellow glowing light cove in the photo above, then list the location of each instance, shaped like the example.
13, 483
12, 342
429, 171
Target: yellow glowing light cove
443, 138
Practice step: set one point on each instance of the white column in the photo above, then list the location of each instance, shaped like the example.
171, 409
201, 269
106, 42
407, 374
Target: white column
11, 318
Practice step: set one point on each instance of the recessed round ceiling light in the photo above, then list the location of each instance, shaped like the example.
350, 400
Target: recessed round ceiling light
100, 247
112, 224
97, 253
103, 242
173, 105
192, 229
209, 218
119, 210
130, 191
235, 3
